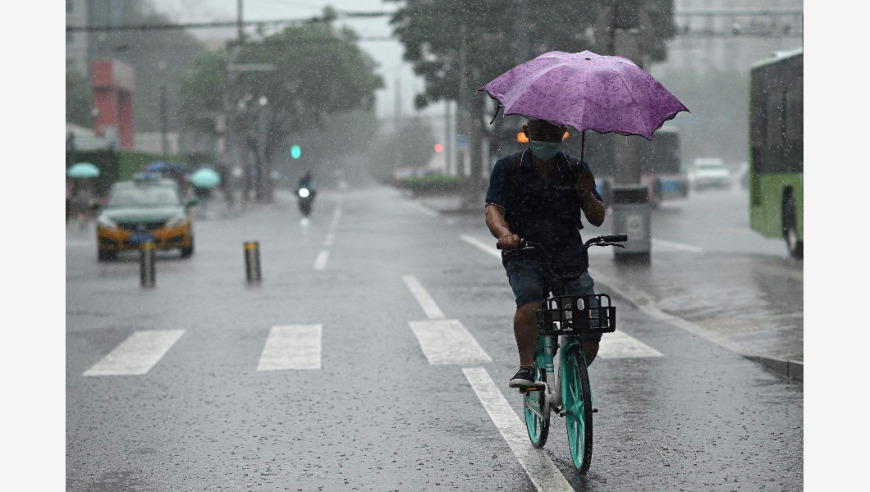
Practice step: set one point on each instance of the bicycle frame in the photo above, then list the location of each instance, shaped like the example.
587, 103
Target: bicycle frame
562, 383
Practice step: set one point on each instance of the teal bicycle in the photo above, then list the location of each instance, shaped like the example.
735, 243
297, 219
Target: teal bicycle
562, 385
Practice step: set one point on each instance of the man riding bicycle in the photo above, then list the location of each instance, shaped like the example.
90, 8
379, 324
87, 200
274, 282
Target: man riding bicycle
538, 195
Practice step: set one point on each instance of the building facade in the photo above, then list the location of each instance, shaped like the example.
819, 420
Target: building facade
77, 42
731, 34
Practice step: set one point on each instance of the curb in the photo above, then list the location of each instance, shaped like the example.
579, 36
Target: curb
788, 369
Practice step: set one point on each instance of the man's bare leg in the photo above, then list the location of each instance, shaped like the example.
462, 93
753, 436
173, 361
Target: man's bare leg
526, 332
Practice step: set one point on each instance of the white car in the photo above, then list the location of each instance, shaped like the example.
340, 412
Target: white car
710, 172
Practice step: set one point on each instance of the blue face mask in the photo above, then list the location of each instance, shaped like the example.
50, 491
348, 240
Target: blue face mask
545, 150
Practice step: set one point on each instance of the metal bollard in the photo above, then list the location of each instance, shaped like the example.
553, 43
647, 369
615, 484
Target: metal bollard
146, 264
252, 261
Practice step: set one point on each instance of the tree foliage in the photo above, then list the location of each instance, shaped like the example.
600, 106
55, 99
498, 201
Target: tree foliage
319, 70
459, 45
411, 145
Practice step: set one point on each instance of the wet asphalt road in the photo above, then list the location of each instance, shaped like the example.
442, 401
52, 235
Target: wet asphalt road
377, 415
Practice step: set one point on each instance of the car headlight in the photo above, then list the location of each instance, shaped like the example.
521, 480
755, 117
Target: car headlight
176, 221
106, 223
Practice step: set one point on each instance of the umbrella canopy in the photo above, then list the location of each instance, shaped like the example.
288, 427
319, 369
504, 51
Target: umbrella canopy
83, 170
162, 167
586, 91
154, 167
205, 178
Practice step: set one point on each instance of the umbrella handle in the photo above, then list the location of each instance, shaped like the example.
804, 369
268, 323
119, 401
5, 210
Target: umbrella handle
496, 114
582, 144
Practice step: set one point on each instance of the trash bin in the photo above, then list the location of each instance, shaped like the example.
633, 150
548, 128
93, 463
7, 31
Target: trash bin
631, 216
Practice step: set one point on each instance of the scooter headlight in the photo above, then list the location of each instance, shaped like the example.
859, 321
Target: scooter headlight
304, 193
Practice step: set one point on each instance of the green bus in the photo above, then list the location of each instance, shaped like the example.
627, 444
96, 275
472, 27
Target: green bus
776, 134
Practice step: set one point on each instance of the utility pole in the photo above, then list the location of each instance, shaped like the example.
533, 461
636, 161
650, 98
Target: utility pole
239, 23
397, 111
164, 143
448, 140
620, 31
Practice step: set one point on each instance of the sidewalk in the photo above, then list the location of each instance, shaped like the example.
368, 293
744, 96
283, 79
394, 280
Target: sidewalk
743, 304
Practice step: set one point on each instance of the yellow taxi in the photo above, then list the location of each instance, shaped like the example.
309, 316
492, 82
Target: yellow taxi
144, 210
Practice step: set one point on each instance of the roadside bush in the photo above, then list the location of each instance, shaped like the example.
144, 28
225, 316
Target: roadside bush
432, 185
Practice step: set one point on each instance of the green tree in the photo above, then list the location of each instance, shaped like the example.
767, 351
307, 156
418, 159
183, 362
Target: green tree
457, 46
318, 71
79, 98
410, 145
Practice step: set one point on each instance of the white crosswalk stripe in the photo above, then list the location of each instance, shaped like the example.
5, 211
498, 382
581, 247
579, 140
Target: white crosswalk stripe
446, 341
292, 347
619, 345
137, 354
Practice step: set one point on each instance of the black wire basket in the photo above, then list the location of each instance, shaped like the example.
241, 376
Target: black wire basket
576, 315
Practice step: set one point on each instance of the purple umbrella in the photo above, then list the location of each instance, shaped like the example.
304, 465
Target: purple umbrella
586, 91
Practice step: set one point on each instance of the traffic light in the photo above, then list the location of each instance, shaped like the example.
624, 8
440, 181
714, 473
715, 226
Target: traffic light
439, 147
295, 151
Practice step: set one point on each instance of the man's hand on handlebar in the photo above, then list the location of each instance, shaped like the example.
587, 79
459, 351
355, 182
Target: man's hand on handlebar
509, 241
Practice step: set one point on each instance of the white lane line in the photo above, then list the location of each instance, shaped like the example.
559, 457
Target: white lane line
446, 341
536, 462
423, 298
426, 210
644, 302
329, 239
618, 345
292, 347
137, 354
680, 246
320, 262
335, 216
486, 248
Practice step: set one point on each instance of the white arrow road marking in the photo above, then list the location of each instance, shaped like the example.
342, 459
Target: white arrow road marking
446, 341
536, 462
423, 298
292, 347
137, 354
320, 262
618, 345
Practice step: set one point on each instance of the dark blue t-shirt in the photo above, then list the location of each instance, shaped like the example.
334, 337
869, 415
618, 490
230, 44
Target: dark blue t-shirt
542, 211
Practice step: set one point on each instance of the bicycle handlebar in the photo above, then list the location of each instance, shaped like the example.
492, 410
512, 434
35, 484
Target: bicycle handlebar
607, 240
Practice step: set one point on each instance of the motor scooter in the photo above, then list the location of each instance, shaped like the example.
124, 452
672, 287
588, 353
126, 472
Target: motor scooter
305, 198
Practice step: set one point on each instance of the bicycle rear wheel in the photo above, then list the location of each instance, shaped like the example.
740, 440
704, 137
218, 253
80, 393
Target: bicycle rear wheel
577, 401
536, 413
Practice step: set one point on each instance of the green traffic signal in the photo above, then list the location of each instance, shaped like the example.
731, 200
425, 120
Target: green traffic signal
295, 151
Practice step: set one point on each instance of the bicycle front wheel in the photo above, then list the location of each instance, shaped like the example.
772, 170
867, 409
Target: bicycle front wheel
577, 401
536, 413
